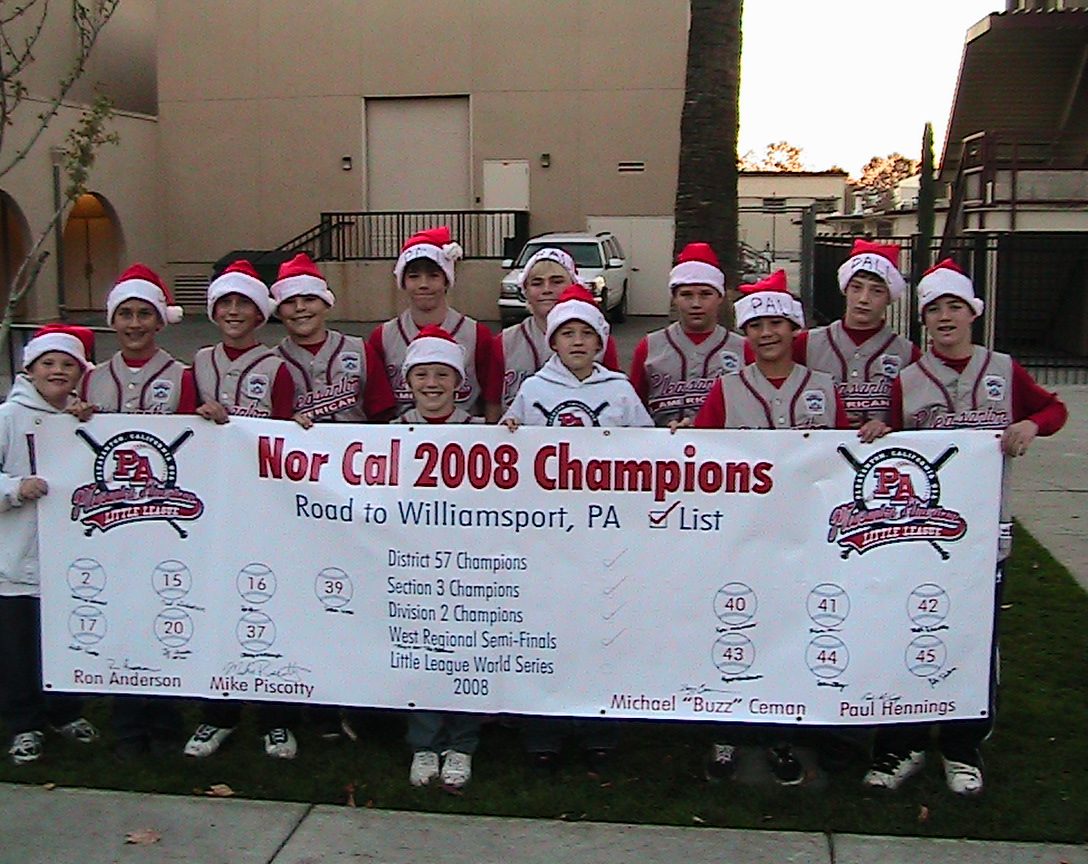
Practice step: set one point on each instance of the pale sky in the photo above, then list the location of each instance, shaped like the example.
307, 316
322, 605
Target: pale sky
846, 80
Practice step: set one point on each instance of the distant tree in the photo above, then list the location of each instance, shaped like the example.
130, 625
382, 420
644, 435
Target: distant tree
927, 197
779, 156
882, 173
706, 189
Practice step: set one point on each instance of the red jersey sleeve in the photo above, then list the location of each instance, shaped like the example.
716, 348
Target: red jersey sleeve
611, 358
895, 412
1032, 402
378, 396
842, 421
375, 342
915, 353
187, 401
638, 371
492, 390
712, 414
800, 347
283, 394
485, 347
749, 354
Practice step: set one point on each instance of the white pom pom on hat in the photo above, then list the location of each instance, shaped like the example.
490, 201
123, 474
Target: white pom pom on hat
434, 243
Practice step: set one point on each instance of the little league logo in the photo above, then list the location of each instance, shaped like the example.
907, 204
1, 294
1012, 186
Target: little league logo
351, 362
572, 413
995, 387
255, 386
889, 365
897, 498
815, 402
730, 362
161, 388
135, 480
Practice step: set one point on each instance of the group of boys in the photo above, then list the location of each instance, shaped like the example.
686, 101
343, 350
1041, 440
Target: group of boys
433, 364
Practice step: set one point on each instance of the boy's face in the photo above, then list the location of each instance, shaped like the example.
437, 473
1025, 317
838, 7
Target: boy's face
770, 336
433, 387
576, 344
237, 316
697, 307
136, 322
55, 375
425, 284
543, 285
867, 299
948, 321
304, 317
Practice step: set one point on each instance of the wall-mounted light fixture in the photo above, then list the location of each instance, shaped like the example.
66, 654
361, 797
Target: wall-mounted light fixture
545, 160
345, 163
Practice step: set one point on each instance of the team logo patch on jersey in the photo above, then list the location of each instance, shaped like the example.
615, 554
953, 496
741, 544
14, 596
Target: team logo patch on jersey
890, 365
896, 499
135, 480
815, 402
161, 389
730, 362
256, 385
995, 387
351, 362
571, 413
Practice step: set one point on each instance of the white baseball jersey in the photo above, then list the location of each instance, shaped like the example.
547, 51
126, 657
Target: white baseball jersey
242, 386
328, 384
399, 331
154, 388
806, 400
679, 373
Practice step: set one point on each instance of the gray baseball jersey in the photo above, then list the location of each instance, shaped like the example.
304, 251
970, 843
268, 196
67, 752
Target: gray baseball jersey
242, 386
399, 331
154, 388
328, 384
679, 373
806, 400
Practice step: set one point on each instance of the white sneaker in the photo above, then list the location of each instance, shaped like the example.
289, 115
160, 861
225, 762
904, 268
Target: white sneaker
26, 747
206, 740
424, 767
280, 743
892, 770
456, 769
81, 731
963, 779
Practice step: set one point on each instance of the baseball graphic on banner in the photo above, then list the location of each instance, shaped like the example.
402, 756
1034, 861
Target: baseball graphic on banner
827, 656
171, 579
173, 627
333, 587
255, 631
828, 604
928, 605
733, 653
86, 578
925, 655
87, 624
256, 583
735, 603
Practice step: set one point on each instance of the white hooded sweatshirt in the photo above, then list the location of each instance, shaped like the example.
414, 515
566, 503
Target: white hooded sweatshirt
555, 397
19, 417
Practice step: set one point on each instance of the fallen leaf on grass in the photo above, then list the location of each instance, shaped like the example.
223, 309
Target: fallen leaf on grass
49, 786
698, 820
143, 837
350, 789
219, 790
923, 813
369, 802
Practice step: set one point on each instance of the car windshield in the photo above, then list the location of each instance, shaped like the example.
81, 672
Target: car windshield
584, 254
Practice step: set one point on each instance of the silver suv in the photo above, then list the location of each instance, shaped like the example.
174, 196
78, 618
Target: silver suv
601, 264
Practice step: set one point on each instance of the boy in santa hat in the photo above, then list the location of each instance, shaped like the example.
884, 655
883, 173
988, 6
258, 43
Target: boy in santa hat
54, 360
141, 378
860, 351
239, 376
773, 392
442, 742
337, 377
521, 349
959, 385
674, 368
425, 273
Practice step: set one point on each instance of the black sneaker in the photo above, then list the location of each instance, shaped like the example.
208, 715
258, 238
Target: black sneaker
784, 766
722, 762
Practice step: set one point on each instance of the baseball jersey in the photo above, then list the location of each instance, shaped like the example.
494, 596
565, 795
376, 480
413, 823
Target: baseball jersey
329, 384
749, 400
862, 373
679, 372
153, 388
398, 332
459, 415
243, 386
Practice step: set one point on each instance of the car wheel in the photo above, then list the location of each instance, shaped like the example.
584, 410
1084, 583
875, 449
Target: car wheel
619, 314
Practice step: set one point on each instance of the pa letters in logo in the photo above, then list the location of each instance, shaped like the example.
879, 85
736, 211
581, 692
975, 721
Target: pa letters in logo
160, 389
815, 402
889, 365
730, 362
995, 387
351, 362
256, 386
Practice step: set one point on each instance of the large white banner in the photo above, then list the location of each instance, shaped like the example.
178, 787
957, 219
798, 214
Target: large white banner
756, 576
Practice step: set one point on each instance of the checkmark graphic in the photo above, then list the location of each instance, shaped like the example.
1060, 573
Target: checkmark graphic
608, 564
608, 592
613, 613
660, 518
606, 642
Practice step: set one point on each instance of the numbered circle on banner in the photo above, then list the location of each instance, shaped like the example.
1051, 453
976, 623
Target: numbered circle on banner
925, 655
333, 587
173, 627
256, 583
87, 624
735, 603
828, 604
733, 653
86, 578
928, 605
827, 656
255, 631
171, 579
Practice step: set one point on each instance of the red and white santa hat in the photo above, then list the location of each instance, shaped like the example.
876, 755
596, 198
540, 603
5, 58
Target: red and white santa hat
551, 253
240, 278
943, 278
140, 282
880, 259
697, 265
434, 345
75, 341
300, 277
577, 304
766, 298
434, 243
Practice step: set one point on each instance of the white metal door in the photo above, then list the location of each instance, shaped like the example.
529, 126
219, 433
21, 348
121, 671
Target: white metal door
647, 240
506, 184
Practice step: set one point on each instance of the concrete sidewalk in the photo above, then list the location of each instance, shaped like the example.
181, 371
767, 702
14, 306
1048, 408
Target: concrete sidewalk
89, 826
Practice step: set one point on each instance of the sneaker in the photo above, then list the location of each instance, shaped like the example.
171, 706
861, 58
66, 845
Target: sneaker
280, 743
26, 747
456, 769
892, 770
81, 731
424, 767
206, 740
722, 763
784, 766
962, 777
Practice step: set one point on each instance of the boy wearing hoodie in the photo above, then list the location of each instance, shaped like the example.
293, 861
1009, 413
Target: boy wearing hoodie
54, 360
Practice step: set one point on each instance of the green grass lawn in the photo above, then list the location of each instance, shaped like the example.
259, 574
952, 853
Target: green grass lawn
1037, 760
